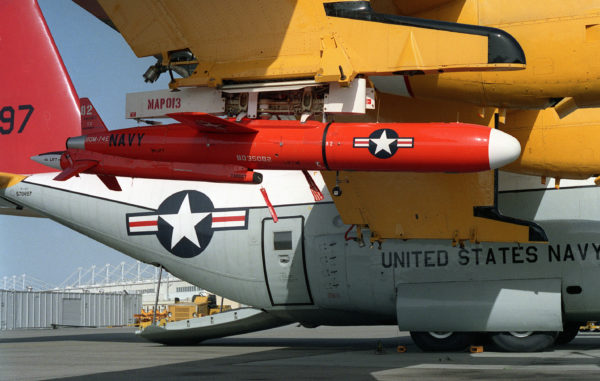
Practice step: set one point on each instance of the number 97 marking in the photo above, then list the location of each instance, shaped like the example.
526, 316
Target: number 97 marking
7, 118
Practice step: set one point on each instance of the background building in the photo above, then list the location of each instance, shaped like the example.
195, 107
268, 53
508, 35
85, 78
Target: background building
106, 295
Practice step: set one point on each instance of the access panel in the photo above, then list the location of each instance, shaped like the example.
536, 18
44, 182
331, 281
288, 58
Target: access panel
284, 263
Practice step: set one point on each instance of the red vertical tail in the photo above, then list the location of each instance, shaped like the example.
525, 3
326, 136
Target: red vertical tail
39, 108
90, 120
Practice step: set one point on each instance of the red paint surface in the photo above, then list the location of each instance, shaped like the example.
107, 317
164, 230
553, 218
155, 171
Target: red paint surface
143, 223
121, 166
32, 73
229, 219
438, 147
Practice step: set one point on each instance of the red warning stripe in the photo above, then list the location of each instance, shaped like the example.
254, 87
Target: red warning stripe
229, 219
143, 223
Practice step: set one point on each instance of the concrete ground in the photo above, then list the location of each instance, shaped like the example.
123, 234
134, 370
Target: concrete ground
290, 353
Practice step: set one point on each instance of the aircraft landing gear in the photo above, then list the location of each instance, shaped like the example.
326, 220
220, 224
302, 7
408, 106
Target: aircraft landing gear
442, 341
524, 341
507, 341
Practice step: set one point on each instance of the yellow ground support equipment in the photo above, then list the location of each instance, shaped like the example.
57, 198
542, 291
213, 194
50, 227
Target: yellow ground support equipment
198, 307
590, 326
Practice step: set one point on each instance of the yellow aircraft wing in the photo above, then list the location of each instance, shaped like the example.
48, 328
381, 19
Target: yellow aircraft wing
240, 40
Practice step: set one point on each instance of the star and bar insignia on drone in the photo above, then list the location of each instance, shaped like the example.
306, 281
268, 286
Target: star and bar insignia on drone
384, 143
185, 221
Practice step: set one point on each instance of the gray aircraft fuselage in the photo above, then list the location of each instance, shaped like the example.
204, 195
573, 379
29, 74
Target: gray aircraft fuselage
222, 238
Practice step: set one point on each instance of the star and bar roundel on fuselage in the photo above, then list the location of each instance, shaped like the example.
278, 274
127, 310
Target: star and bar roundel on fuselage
184, 222
383, 143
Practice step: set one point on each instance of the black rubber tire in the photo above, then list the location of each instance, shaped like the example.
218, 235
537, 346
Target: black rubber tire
536, 342
568, 334
457, 341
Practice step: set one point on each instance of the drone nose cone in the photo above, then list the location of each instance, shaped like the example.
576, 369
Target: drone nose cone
50, 159
503, 149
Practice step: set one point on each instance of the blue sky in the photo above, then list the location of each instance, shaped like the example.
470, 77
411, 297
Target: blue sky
102, 68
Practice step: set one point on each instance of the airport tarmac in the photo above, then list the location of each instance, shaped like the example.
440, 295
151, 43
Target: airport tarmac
290, 353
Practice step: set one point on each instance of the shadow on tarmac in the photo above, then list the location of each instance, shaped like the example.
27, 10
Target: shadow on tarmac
333, 358
292, 342
350, 359
100, 336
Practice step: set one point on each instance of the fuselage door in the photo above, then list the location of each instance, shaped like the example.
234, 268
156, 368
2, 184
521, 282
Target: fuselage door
283, 259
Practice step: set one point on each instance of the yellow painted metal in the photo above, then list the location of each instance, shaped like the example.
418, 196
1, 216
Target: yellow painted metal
561, 40
407, 7
274, 39
218, 310
562, 148
9, 179
198, 307
415, 205
383, 48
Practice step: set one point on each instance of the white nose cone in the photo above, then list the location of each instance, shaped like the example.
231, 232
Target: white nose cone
50, 159
502, 149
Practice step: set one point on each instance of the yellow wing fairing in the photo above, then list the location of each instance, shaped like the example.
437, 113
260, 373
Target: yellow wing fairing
458, 207
502, 47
